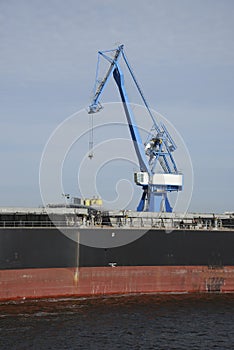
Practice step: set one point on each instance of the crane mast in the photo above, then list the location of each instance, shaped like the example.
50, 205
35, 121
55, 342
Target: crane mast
158, 147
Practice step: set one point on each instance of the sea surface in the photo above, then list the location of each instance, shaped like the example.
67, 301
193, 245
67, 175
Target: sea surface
123, 322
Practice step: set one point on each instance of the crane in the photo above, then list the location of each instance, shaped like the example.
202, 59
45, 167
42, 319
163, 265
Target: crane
156, 150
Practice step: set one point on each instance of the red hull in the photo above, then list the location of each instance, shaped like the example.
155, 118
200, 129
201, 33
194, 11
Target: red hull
60, 282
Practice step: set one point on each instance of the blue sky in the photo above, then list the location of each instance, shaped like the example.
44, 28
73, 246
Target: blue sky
182, 52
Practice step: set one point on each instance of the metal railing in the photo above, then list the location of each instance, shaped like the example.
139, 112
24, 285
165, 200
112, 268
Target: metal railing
123, 223
22, 224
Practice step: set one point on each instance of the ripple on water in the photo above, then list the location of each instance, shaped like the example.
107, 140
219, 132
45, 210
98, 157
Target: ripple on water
123, 322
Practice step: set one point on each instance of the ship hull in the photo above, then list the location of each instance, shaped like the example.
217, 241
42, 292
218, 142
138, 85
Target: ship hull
93, 281
43, 262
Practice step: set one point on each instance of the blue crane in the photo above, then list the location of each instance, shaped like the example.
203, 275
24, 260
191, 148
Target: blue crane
158, 147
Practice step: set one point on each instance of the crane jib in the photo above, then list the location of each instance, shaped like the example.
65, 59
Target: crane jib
138, 145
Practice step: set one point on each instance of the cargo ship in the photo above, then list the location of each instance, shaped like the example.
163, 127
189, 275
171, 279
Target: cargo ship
78, 250
44, 252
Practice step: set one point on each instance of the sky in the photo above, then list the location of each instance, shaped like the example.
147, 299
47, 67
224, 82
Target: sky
182, 52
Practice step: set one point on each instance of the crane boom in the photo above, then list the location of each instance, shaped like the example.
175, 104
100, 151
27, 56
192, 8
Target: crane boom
95, 106
137, 141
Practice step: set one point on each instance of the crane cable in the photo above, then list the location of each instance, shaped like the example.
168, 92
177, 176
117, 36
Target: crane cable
90, 136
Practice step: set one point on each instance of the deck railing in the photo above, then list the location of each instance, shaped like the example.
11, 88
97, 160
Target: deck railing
122, 223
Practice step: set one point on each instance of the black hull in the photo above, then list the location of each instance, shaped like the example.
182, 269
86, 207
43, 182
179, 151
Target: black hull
23, 248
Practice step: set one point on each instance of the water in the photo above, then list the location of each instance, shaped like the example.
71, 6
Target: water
124, 322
